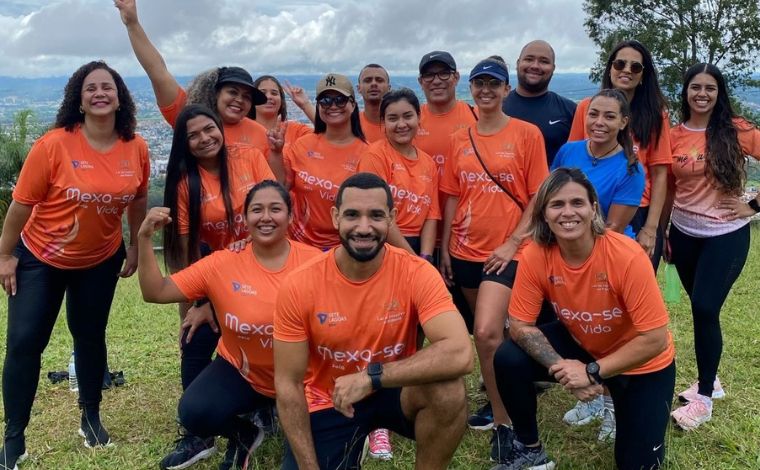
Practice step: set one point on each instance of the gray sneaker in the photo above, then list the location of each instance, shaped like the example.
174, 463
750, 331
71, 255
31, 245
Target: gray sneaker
584, 412
609, 429
525, 458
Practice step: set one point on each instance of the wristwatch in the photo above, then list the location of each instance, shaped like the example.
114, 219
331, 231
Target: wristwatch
592, 370
754, 205
375, 372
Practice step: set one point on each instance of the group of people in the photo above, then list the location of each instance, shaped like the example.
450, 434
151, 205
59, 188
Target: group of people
338, 270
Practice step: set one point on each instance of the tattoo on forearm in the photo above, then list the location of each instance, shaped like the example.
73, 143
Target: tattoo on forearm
537, 346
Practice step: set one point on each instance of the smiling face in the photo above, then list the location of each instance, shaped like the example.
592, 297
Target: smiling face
702, 94
100, 96
204, 138
401, 122
604, 120
436, 89
274, 99
625, 80
488, 92
535, 67
267, 217
233, 102
334, 115
569, 213
363, 221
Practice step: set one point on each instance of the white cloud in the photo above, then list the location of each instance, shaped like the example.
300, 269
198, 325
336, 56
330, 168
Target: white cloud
290, 36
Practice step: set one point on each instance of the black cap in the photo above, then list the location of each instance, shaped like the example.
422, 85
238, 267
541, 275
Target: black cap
438, 56
240, 76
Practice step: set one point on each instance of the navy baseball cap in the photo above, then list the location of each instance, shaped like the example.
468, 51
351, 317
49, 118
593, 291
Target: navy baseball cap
490, 67
438, 56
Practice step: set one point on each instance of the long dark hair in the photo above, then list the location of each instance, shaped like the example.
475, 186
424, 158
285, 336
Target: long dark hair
356, 127
69, 115
624, 135
724, 158
283, 111
648, 102
183, 165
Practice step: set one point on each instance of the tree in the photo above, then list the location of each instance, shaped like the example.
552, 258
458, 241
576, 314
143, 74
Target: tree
15, 141
681, 33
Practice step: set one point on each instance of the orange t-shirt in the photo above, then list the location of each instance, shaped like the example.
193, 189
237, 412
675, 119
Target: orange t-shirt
246, 167
694, 207
349, 324
315, 169
79, 196
372, 132
656, 153
247, 131
485, 216
604, 303
243, 293
295, 130
413, 183
435, 129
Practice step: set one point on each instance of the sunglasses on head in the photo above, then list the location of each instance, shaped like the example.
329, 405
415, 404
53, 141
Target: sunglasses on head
619, 64
340, 101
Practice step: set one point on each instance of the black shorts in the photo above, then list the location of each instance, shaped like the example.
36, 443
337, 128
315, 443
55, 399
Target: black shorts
469, 274
339, 440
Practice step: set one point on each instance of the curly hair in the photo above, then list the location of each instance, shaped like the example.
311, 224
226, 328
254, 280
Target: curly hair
69, 114
283, 111
724, 158
648, 102
204, 89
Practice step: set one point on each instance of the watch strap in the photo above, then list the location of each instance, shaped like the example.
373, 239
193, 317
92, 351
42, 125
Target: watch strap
754, 205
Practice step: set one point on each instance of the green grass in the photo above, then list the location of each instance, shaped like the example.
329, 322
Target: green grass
142, 340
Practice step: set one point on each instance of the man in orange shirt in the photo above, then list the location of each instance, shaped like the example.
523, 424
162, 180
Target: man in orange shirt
374, 83
350, 318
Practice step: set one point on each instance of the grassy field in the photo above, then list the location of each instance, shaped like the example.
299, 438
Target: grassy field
142, 342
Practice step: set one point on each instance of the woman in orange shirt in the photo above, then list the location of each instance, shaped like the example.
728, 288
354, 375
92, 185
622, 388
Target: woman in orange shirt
243, 286
62, 235
612, 328
710, 222
273, 114
314, 166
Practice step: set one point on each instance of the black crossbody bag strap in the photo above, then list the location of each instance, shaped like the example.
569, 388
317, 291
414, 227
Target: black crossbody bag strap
480, 159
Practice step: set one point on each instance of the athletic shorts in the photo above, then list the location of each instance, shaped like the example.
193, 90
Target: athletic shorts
469, 274
339, 440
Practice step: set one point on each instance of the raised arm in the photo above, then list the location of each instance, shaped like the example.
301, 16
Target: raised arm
165, 86
154, 286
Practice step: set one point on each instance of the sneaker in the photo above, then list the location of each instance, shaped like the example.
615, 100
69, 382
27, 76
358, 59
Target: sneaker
584, 412
693, 414
482, 420
691, 393
501, 443
525, 458
266, 419
608, 431
13, 453
380, 444
188, 449
95, 435
239, 450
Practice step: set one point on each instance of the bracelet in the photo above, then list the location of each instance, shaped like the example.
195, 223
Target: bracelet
427, 257
649, 231
754, 205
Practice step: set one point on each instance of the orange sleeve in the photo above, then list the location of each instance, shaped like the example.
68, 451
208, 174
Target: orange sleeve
296, 130
536, 166
372, 162
430, 295
578, 128
35, 178
261, 166
183, 216
289, 313
641, 295
171, 112
749, 138
661, 154
193, 280
528, 291
449, 183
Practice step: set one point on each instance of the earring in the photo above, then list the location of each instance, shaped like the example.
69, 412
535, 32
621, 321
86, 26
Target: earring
81, 110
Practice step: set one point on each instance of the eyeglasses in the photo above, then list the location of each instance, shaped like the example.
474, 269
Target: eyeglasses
619, 64
340, 101
443, 75
492, 84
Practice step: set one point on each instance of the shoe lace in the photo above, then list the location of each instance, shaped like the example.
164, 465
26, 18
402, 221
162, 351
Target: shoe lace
380, 438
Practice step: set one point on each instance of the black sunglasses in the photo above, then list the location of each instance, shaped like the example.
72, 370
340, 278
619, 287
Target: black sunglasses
619, 64
339, 101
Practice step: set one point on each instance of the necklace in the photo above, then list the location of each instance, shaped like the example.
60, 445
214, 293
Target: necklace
595, 159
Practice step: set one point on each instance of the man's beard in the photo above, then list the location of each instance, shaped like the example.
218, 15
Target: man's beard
362, 256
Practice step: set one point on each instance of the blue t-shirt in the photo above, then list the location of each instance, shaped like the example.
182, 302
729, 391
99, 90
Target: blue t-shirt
551, 113
610, 177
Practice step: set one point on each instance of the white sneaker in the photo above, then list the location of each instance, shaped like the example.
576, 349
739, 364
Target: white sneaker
690, 416
691, 393
609, 427
584, 412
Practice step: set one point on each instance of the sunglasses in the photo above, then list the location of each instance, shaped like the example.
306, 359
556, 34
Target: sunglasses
619, 64
340, 101
444, 75
492, 84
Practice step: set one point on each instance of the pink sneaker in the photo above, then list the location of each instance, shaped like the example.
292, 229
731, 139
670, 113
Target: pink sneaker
690, 394
693, 414
380, 445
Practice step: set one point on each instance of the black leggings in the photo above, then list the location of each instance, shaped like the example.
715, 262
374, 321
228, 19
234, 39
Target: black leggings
642, 402
32, 313
211, 405
708, 267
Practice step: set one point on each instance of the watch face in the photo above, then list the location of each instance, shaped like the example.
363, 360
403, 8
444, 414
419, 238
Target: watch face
592, 368
375, 368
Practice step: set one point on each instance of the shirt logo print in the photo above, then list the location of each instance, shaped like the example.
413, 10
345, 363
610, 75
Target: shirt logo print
322, 317
330, 80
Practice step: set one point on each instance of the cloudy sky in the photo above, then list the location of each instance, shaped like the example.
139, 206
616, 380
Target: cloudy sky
53, 37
